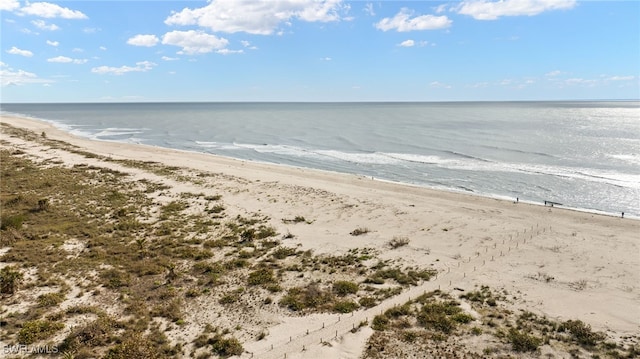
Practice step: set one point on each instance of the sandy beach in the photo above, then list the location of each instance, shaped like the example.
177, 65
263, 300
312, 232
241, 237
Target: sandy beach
556, 263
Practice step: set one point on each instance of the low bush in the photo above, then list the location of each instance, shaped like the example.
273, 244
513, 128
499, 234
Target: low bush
261, 276
346, 306
380, 322
581, 332
50, 299
36, 330
309, 297
10, 277
14, 222
135, 346
96, 333
343, 288
226, 347
368, 302
398, 242
523, 342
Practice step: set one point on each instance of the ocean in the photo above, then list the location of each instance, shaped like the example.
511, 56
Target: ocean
584, 155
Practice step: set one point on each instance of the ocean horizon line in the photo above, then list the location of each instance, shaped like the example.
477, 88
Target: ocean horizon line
324, 102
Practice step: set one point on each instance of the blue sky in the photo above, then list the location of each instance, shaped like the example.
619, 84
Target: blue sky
311, 50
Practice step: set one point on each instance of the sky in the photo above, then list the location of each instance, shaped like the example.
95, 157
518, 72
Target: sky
318, 50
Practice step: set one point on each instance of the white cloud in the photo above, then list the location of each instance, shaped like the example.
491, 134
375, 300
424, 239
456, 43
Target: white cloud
49, 11
403, 22
16, 51
248, 45
103, 48
77, 49
42, 25
621, 78
9, 76
167, 58
229, 52
479, 85
407, 43
368, 8
322, 11
580, 81
492, 10
9, 5
257, 17
440, 85
143, 40
326, 59
142, 66
440, 8
64, 59
194, 42
52, 43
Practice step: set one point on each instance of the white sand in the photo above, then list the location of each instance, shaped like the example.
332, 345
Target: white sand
594, 259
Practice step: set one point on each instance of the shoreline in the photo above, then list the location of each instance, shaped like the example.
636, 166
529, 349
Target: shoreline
44, 124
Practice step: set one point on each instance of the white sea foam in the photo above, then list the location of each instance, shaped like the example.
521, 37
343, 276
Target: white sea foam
633, 158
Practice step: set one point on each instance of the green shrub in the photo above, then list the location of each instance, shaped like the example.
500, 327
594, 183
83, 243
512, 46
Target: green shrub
523, 342
283, 252
343, 288
113, 278
398, 311
261, 276
346, 306
216, 209
437, 321
171, 310
398, 242
172, 208
14, 222
226, 347
581, 332
309, 297
135, 346
232, 297
368, 302
10, 277
50, 299
36, 330
380, 322
463, 318
96, 333
296, 219
438, 315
